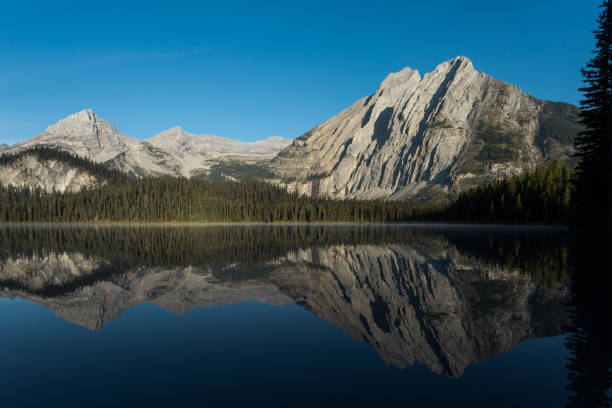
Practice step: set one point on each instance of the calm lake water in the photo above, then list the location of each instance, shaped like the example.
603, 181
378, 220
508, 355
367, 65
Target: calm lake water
300, 316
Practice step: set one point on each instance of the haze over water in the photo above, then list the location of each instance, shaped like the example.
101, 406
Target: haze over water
293, 316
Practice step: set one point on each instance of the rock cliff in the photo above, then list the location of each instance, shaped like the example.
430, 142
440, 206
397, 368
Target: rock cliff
417, 136
50, 175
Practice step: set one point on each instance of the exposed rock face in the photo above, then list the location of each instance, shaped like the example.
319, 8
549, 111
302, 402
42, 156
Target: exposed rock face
172, 152
50, 175
197, 153
452, 128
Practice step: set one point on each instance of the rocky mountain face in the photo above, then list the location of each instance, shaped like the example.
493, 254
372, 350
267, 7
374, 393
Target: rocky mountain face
172, 152
421, 302
416, 136
50, 175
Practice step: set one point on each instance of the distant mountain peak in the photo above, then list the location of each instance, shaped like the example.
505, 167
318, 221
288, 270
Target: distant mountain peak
82, 123
86, 115
172, 151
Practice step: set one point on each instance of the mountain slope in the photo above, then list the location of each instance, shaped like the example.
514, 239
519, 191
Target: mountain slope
52, 170
449, 130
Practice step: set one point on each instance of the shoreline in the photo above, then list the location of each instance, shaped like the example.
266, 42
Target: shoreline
450, 225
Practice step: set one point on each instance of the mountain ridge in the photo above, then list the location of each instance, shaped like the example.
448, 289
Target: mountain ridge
87, 135
417, 137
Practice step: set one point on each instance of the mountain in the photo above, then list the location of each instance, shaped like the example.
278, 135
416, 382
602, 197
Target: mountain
198, 153
86, 135
83, 134
172, 152
418, 136
3, 146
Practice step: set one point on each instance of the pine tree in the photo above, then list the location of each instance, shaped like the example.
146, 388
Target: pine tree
594, 144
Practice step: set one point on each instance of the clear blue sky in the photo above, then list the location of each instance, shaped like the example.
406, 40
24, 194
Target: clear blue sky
250, 70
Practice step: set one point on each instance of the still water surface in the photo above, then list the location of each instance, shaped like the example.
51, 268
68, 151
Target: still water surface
289, 316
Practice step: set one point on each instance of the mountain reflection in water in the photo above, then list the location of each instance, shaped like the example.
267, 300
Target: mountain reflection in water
443, 297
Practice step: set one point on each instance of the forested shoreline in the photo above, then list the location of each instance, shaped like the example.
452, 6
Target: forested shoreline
543, 195
122, 198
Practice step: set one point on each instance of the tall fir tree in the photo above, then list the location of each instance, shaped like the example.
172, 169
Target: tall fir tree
594, 144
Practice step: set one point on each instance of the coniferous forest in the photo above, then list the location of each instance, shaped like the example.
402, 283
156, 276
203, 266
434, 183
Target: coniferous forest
543, 195
594, 145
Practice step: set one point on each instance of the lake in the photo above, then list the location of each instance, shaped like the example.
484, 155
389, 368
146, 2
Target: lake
349, 315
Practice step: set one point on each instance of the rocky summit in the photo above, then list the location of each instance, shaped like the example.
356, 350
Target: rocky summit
418, 136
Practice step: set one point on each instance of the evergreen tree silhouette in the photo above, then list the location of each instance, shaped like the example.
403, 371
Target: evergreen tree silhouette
594, 144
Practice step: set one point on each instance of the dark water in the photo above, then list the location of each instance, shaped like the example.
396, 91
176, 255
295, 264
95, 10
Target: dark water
302, 316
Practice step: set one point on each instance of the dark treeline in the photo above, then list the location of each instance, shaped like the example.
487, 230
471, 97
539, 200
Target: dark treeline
544, 255
190, 245
117, 250
543, 195
590, 333
594, 144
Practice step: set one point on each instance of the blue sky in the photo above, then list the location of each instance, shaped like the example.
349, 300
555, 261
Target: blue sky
249, 70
